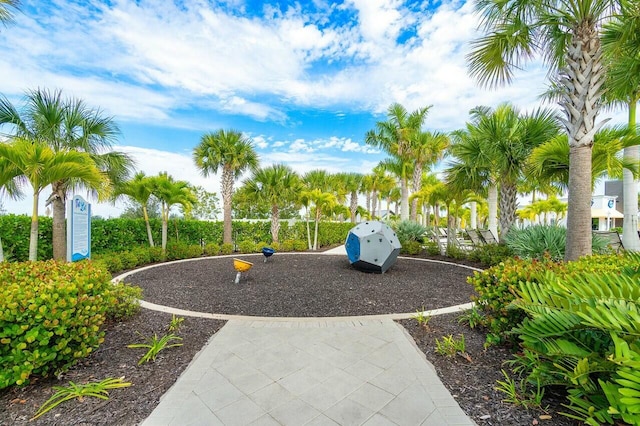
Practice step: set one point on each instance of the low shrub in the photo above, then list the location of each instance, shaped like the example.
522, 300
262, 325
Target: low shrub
111, 261
211, 249
143, 255
408, 230
125, 301
156, 255
535, 241
50, 316
226, 249
496, 287
490, 254
431, 247
259, 246
411, 247
177, 251
129, 260
456, 252
300, 245
287, 245
246, 246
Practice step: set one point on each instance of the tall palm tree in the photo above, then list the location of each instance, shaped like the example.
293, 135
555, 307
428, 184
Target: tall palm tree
567, 33
427, 149
395, 136
170, 192
620, 44
278, 185
322, 201
6, 13
38, 164
232, 152
67, 125
139, 189
351, 183
495, 147
383, 182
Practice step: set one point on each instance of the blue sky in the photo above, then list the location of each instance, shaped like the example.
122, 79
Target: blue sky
305, 80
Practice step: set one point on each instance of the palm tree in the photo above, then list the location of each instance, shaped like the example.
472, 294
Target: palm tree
395, 137
278, 185
492, 152
67, 125
323, 201
6, 15
170, 192
567, 34
234, 154
427, 149
139, 190
38, 164
620, 44
549, 162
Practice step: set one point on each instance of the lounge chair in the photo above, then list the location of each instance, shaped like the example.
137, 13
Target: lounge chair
488, 236
614, 242
475, 237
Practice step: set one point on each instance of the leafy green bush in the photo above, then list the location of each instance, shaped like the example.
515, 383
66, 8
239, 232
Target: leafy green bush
226, 249
129, 259
50, 316
177, 251
15, 230
490, 254
300, 245
535, 241
496, 287
211, 249
259, 246
246, 246
583, 333
110, 261
431, 247
411, 247
286, 245
156, 254
456, 252
143, 254
125, 301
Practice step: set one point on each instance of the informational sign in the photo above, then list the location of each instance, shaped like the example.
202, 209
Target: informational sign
79, 230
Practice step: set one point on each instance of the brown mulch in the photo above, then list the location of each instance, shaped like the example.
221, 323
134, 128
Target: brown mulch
287, 285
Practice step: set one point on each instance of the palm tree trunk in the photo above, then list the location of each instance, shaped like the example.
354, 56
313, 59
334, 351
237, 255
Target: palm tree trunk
227, 193
404, 207
508, 204
315, 235
33, 236
436, 215
473, 220
275, 223
492, 201
146, 221
582, 78
165, 222
308, 230
630, 238
417, 184
59, 234
354, 206
374, 204
579, 208
368, 202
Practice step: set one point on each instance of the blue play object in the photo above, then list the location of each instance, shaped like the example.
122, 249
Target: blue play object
372, 247
267, 252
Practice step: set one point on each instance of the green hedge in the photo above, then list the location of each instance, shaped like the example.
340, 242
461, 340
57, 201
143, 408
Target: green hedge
119, 235
50, 316
14, 232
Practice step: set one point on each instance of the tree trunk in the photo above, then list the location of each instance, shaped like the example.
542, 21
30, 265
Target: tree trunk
59, 233
417, 184
275, 223
630, 238
508, 203
374, 204
1, 251
33, 236
404, 207
354, 206
227, 193
308, 230
146, 221
165, 225
368, 202
582, 79
579, 208
492, 201
473, 220
315, 234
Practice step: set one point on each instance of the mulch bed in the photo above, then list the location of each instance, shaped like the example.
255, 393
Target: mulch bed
287, 285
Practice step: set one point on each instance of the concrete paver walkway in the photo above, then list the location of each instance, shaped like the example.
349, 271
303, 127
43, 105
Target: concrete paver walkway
309, 372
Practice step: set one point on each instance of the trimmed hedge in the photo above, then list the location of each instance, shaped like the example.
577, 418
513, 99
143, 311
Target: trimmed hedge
50, 316
120, 234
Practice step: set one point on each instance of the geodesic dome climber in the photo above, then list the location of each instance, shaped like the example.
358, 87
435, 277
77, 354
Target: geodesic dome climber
372, 247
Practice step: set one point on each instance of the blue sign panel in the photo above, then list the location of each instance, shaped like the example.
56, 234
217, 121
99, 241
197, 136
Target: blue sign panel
79, 230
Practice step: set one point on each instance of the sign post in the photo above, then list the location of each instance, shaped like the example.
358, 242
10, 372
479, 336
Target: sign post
79, 230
